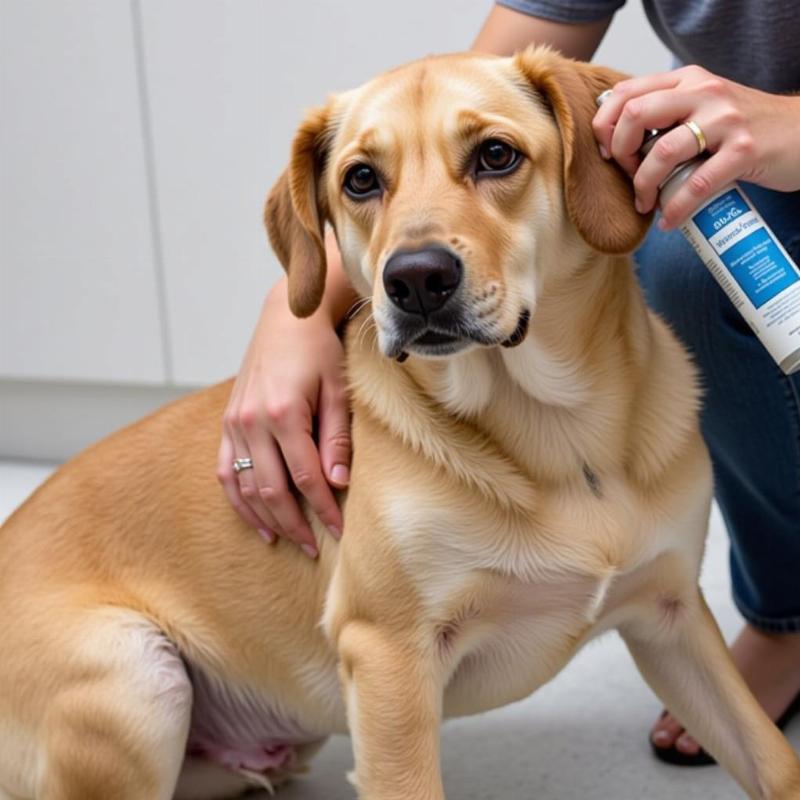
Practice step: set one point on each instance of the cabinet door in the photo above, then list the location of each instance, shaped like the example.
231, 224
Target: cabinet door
78, 284
228, 83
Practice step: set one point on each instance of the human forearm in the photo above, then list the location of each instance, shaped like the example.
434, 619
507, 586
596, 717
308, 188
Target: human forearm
506, 31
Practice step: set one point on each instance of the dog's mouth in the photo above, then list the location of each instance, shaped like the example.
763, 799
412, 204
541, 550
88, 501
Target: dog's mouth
433, 342
520, 332
434, 338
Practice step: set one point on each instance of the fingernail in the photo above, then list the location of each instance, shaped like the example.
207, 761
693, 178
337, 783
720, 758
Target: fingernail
337, 534
603, 152
661, 737
663, 225
340, 474
639, 205
687, 745
309, 550
268, 535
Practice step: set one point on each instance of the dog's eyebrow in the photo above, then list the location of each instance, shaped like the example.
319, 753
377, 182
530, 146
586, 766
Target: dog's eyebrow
471, 123
366, 145
367, 140
474, 124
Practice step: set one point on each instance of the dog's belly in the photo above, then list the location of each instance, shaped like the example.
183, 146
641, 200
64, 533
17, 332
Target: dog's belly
244, 729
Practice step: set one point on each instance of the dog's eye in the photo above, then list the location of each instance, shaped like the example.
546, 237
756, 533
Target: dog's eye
361, 181
496, 157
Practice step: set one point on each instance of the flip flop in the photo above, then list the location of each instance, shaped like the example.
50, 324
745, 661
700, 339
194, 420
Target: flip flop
671, 755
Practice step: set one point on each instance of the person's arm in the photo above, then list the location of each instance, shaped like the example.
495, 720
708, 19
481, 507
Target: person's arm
750, 135
292, 373
506, 31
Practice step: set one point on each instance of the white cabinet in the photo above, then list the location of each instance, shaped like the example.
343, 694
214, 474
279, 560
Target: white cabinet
78, 284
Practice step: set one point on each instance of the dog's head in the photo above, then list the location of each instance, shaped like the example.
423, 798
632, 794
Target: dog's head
457, 186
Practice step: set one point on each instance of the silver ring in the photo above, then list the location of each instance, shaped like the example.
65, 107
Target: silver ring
241, 464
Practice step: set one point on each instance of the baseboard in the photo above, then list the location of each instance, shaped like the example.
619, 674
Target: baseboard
52, 421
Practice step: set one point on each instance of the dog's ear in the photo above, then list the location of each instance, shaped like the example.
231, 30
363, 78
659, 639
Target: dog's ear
295, 214
598, 193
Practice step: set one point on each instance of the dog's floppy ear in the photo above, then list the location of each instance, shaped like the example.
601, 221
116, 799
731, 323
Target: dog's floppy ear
598, 194
295, 214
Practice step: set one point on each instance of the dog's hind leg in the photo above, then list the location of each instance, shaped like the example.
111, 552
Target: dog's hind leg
680, 652
116, 720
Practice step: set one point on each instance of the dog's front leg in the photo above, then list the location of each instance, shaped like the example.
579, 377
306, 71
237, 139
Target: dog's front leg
394, 702
680, 652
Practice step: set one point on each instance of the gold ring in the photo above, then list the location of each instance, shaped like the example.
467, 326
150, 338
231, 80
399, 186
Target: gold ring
698, 134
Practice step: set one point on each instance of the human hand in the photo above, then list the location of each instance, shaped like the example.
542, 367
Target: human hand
292, 373
751, 135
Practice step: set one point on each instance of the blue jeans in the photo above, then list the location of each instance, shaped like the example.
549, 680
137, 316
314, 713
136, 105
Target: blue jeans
750, 418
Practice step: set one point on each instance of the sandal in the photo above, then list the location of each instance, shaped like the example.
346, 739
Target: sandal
671, 755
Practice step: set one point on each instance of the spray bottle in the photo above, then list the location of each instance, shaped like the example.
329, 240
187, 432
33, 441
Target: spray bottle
745, 257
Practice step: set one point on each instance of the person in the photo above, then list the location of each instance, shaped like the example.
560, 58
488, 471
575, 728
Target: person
288, 409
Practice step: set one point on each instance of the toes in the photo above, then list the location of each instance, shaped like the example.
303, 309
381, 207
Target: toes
686, 744
666, 731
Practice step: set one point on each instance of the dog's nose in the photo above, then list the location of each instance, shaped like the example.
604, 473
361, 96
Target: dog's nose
421, 281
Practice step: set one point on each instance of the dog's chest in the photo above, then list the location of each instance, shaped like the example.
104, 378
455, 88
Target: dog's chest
511, 599
516, 635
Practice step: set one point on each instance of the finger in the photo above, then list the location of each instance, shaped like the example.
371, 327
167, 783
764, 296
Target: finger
334, 434
248, 485
269, 526
673, 148
687, 744
607, 115
272, 482
711, 176
268, 494
303, 460
655, 110
230, 484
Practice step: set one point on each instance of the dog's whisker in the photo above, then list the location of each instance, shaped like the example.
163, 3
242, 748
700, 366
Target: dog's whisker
357, 306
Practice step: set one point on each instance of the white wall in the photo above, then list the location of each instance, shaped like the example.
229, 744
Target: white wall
139, 138
78, 284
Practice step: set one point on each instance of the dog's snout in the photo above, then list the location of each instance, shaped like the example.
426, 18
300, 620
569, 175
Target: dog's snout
422, 281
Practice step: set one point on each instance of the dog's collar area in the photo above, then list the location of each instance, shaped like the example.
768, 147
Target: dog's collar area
520, 332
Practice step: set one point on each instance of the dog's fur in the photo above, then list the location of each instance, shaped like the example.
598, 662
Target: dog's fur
506, 504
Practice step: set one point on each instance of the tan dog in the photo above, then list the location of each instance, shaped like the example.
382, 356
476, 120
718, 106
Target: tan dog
508, 503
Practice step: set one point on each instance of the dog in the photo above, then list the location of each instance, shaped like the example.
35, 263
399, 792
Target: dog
527, 474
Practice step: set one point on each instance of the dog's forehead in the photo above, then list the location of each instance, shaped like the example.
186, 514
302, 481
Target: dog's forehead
432, 92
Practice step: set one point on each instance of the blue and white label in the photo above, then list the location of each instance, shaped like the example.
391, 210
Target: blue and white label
745, 247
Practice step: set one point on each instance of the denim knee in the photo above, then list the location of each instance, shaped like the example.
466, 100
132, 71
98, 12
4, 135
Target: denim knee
750, 417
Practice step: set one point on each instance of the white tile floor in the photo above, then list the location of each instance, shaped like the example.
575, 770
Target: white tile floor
582, 737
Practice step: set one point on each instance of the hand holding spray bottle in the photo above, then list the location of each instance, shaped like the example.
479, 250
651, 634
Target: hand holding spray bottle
744, 255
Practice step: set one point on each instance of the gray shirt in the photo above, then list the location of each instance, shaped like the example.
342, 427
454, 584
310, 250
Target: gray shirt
753, 42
